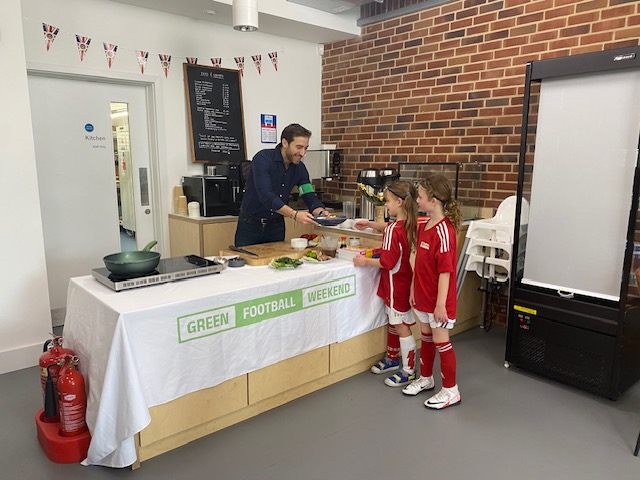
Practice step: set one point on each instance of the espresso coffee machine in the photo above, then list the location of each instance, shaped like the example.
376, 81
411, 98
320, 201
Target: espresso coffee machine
218, 194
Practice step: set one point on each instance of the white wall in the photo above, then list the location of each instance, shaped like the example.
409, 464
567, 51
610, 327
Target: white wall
293, 93
24, 298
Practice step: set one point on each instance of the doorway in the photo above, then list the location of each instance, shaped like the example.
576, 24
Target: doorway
124, 178
82, 158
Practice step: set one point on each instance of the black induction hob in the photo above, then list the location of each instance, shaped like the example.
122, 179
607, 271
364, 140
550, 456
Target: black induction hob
169, 270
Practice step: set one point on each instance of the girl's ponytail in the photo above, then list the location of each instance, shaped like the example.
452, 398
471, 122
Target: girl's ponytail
438, 187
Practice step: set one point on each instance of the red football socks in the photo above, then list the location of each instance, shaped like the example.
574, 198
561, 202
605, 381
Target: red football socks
393, 342
447, 364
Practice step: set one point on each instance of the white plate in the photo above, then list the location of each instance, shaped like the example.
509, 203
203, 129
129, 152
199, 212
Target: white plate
353, 229
314, 262
284, 268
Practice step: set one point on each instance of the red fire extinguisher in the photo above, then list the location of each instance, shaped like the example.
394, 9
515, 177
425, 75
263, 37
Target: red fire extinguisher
49, 364
72, 399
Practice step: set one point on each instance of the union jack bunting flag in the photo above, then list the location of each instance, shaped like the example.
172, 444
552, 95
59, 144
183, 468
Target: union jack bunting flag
257, 61
274, 59
142, 58
240, 64
165, 61
83, 45
50, 33
110, 51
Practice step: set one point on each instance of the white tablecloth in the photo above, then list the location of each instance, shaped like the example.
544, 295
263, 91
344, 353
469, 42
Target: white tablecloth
147, 346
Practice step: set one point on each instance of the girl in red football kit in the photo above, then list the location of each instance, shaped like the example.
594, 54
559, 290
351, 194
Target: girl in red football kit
433, 291
395, 279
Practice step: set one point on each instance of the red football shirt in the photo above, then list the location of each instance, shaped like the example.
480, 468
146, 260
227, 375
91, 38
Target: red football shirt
436, 252
396, 272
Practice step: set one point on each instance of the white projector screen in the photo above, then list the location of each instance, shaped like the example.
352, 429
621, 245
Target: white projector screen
585, 156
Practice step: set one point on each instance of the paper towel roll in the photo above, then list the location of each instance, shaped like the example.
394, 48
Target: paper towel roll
182, 205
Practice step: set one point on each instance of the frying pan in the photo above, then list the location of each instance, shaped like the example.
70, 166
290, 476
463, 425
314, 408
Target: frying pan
130, 264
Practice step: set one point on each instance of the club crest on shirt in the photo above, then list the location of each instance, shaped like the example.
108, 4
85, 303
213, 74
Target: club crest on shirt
424, 245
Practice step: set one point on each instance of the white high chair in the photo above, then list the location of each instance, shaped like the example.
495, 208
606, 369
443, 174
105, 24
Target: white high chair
500, 227
488, 247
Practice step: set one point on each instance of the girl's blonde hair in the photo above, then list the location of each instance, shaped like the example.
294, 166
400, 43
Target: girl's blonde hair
406, 192
439, 187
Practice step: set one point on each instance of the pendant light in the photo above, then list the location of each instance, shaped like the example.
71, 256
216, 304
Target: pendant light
245, 15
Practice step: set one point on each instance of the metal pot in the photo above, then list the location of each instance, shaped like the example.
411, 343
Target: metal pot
387, 176
130, 264
369, 176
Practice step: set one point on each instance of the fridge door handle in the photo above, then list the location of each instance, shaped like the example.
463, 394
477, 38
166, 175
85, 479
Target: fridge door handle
565, 294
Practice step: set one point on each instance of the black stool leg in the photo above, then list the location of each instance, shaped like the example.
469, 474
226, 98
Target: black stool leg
635, 452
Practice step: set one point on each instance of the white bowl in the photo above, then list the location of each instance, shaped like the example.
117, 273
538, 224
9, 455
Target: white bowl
299, 243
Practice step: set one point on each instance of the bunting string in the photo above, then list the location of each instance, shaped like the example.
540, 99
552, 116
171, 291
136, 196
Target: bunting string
51, 32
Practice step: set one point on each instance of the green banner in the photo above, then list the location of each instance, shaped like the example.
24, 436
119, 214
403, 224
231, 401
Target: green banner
221, 319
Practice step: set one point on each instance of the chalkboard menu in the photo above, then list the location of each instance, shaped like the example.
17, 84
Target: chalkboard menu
216, 121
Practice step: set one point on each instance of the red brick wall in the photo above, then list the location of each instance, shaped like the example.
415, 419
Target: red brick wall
446, 84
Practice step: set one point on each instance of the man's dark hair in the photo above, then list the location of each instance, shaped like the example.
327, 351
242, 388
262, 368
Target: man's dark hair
294, 130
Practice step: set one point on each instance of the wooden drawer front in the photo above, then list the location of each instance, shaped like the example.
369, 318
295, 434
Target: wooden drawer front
288, 374
356, 349
194, 409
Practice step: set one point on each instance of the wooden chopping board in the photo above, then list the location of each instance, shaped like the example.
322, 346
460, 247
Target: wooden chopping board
266, 252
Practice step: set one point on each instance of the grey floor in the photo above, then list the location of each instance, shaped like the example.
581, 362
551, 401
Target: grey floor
510, 425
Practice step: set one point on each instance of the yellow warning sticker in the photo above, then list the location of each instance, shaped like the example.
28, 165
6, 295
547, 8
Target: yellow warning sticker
525, 310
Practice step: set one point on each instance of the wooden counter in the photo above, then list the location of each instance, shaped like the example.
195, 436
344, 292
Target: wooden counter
203, 412
265, 252
366, 239
203, 236
206, 236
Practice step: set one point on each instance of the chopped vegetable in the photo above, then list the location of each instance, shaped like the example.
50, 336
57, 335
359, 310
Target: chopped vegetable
316, 256
312, 256
285, 262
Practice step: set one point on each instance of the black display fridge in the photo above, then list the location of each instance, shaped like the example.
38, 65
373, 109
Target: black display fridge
574, 306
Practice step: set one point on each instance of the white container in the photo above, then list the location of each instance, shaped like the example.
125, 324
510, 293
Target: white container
299, 243
194, 209
349, 252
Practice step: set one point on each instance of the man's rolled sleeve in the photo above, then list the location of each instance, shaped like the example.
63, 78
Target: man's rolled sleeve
312, 201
